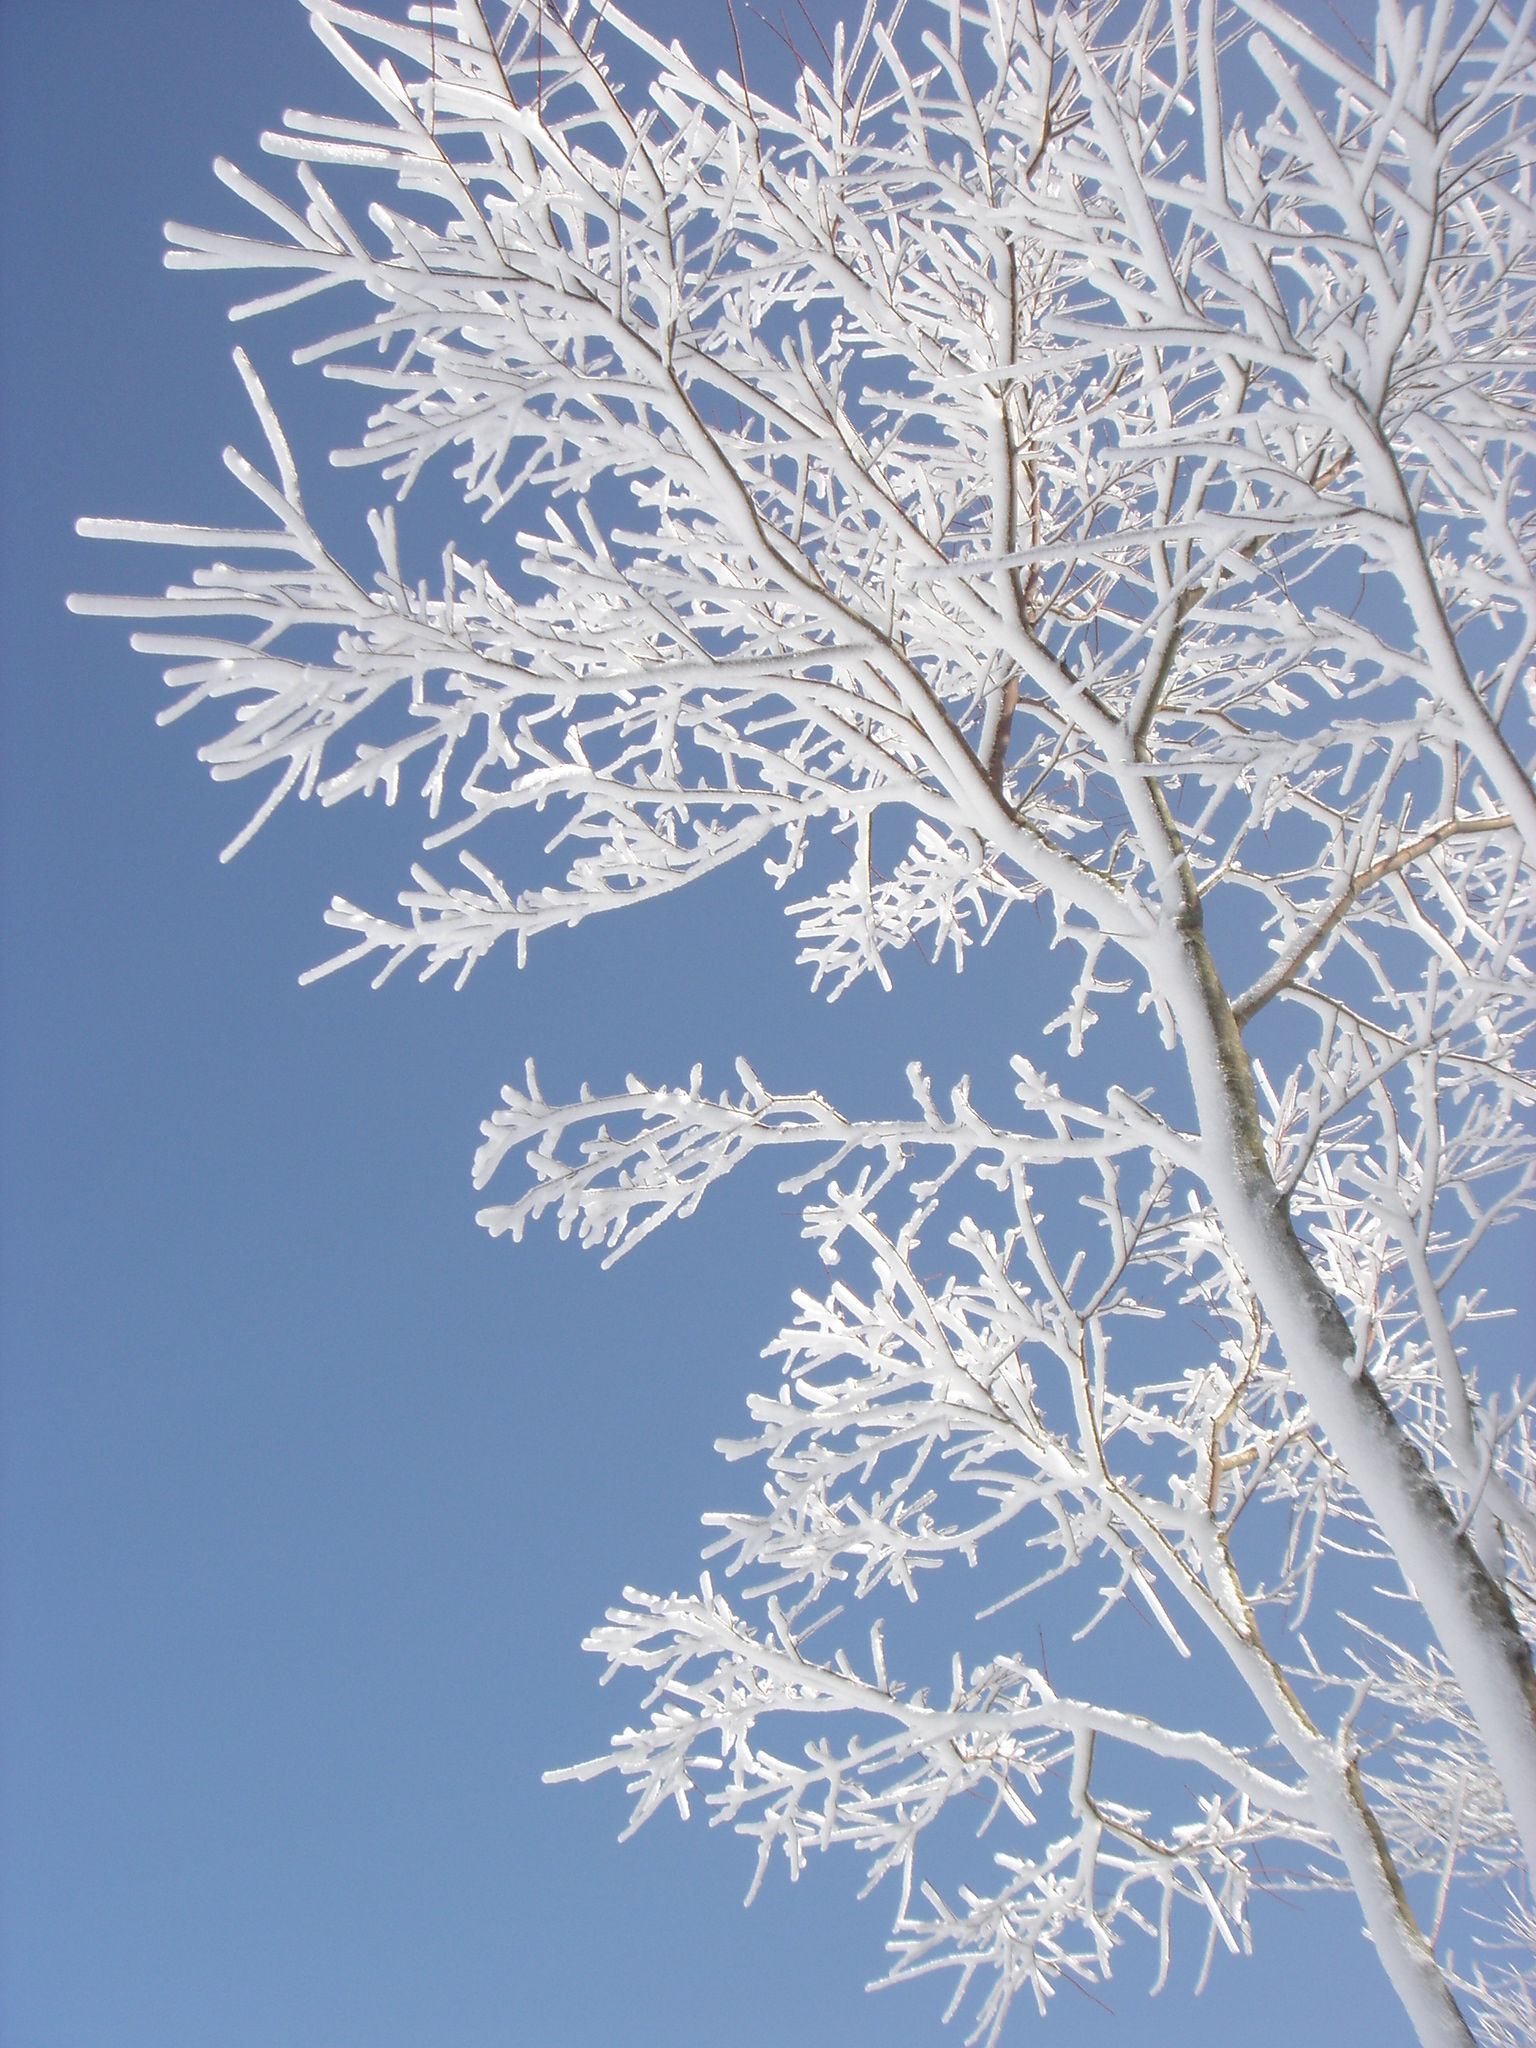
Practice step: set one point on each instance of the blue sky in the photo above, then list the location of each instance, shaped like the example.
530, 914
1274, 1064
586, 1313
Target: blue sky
310, 1489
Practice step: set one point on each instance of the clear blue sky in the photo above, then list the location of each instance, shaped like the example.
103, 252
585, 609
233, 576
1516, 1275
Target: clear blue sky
310, 1490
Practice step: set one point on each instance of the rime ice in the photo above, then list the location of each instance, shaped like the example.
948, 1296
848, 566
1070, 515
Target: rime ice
1063, 478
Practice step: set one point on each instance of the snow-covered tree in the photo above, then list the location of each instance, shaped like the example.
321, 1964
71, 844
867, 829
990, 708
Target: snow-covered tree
1062, 478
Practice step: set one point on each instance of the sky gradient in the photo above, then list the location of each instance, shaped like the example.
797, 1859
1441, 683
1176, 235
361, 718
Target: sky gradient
310, 1489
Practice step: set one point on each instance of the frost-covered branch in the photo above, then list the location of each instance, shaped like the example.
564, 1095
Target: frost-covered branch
1068, 461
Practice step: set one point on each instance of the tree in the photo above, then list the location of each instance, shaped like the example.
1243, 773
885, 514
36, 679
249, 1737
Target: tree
1066, 470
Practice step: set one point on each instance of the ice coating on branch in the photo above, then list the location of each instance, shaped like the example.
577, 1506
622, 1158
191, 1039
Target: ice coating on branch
1063, 477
